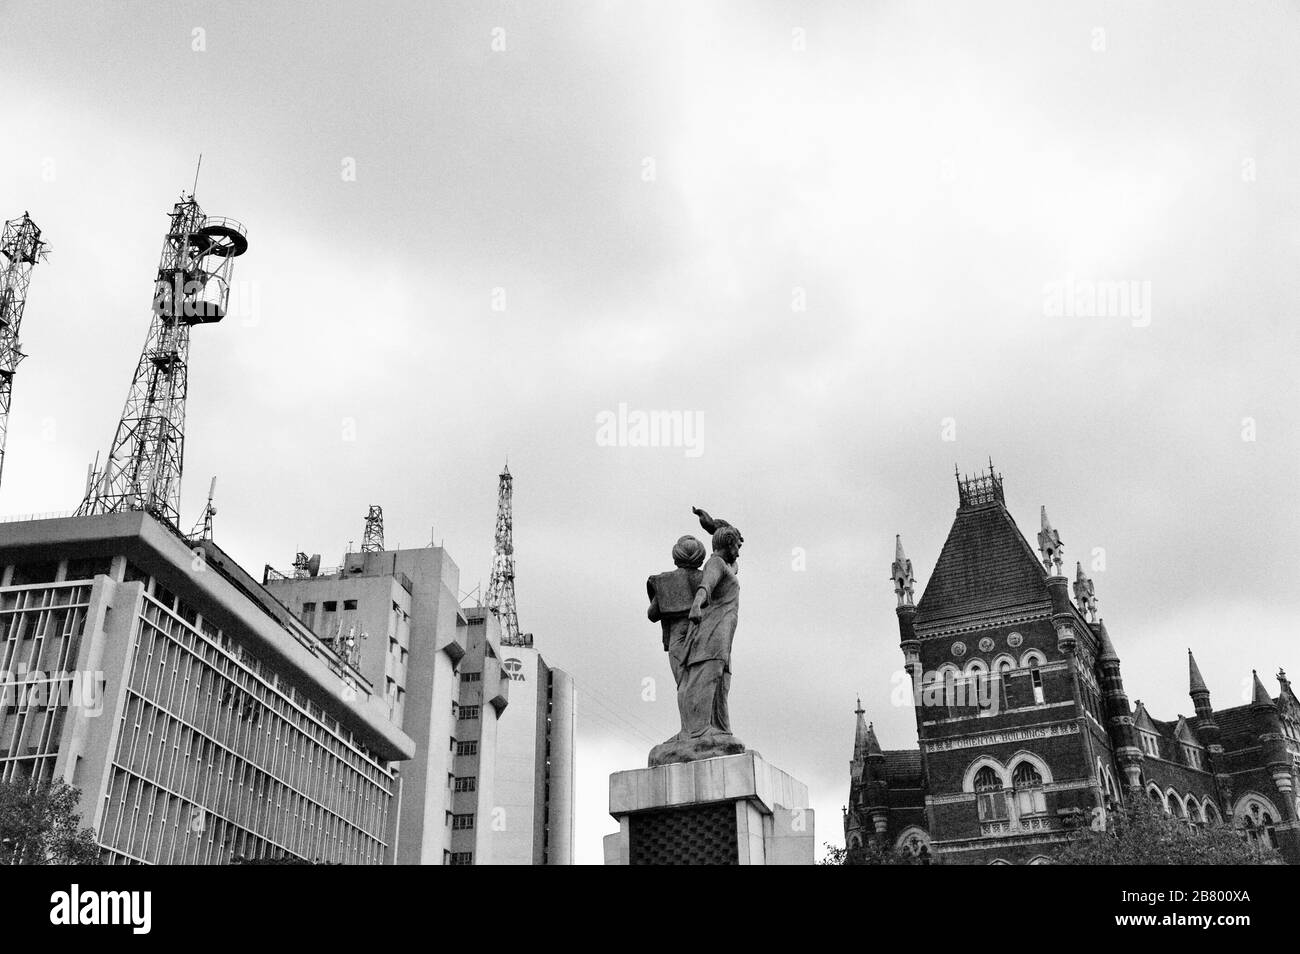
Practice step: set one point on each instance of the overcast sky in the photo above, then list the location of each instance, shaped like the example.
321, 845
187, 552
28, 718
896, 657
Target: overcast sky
829, 234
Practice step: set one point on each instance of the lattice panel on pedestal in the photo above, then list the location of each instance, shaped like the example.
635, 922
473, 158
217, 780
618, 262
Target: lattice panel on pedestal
696, 835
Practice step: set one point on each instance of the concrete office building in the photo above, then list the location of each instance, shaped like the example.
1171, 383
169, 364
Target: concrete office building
530, 806
492, 778
202, 722
401, 605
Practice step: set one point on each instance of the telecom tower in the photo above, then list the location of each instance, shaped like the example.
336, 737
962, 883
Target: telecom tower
20, 249
143, 470
501, 588
373, 540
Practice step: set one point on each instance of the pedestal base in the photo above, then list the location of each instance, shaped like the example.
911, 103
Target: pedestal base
712, 746
736, 809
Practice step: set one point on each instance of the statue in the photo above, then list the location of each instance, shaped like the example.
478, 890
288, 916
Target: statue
671, 597
698, 630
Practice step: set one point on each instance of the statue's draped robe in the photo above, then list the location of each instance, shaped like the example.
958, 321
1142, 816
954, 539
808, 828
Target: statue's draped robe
671, 595
706, 670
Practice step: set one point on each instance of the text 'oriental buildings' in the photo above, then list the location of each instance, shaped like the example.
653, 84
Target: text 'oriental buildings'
1024, 725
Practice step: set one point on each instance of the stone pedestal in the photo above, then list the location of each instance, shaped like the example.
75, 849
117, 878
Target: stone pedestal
731, 810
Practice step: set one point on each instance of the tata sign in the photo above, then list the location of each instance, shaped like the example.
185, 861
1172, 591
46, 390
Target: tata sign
514, 668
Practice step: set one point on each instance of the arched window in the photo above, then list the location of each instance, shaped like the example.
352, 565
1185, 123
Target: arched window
1004, 664
1175, 805
1028, 785
914, 842
1211, 814
990, 797
1108, 786
1157, 798
1258, 823
1032, 659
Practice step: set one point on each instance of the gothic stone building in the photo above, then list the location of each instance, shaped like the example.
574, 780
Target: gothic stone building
1024, 725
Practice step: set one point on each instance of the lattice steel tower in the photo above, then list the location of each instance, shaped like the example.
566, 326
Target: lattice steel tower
20, 249
501, 588
144, 466
373, 540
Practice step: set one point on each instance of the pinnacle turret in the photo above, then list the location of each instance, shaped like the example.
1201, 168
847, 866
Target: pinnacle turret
901, 572
1050, 545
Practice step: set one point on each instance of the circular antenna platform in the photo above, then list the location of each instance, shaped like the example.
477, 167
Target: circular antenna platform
224, 237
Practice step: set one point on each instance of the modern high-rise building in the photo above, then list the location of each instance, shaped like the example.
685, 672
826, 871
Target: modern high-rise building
492, 778
529, 809
202, 722
400, 609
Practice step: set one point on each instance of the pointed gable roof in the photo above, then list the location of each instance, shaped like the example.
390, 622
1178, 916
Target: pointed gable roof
986, 565
1184, 732
1142, 719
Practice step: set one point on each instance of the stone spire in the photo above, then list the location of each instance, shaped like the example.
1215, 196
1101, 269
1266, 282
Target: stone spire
1049, 545
1272, 742
1119, 717
1105, 648
1195, 681
1085, 594
1262, 698
904, 581
873, 746
861, 733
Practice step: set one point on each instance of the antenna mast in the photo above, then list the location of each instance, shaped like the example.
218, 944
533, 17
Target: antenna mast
20, 249
501, 588
203, 529
144, 466
373, 539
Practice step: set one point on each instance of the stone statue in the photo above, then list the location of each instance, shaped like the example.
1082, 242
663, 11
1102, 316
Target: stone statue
698, 632
671, 596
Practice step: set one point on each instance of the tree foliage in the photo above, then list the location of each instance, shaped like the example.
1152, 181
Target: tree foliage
40, 825
1145, 835
869, 854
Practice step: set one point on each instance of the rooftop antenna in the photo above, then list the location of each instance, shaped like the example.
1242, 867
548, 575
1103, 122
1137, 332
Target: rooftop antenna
203, 529
191, 287
197, 167
373, 539
501, 589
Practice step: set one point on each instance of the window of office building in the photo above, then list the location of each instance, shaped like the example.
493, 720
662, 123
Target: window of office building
469, 712
467, 783
467, 748
462, 822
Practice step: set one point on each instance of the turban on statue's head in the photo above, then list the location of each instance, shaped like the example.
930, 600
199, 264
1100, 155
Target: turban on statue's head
688, 553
